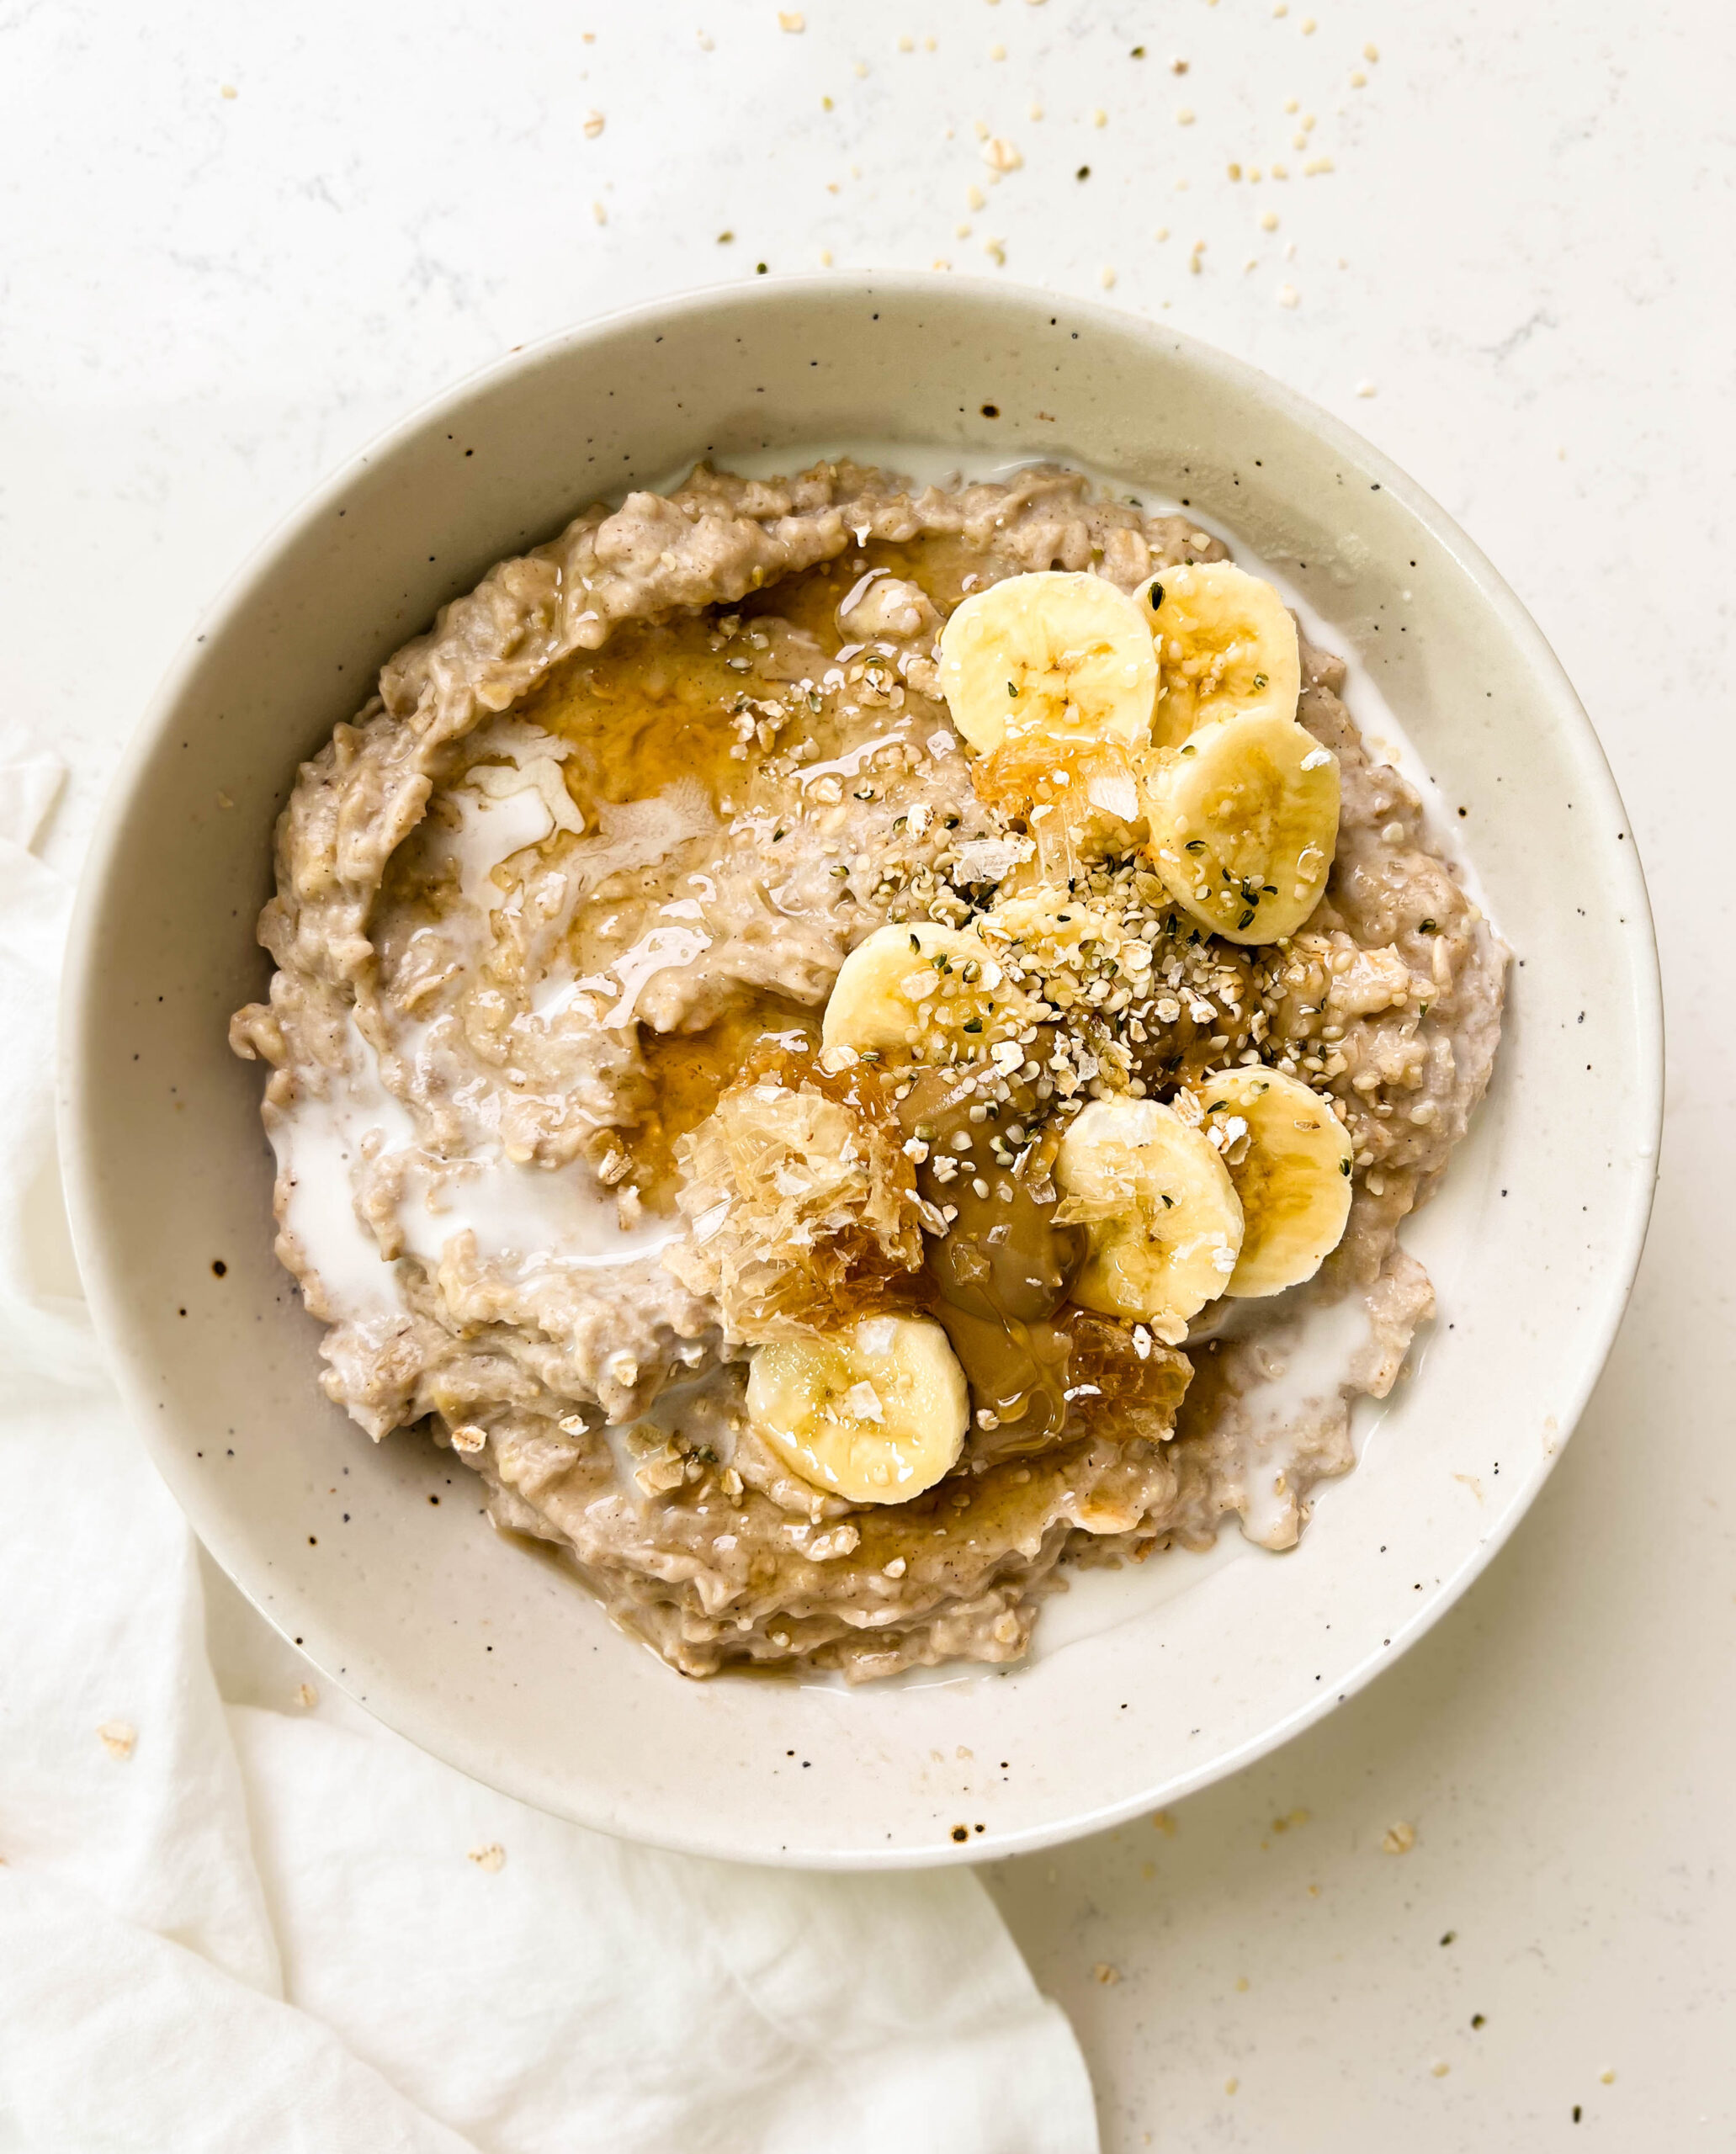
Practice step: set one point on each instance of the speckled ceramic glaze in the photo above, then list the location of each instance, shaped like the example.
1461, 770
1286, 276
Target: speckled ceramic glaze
377, 1561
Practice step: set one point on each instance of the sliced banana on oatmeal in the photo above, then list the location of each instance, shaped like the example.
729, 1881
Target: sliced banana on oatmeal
1052, 659
1244, 822
922, 992
1224, 641
1162, 1219
876, 1412
1290, 1158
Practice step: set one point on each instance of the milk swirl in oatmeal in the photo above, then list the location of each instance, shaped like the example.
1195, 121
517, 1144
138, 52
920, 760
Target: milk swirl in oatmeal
566, 1144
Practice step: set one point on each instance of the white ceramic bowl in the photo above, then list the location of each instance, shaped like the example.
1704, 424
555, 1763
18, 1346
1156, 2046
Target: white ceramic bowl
498, 1661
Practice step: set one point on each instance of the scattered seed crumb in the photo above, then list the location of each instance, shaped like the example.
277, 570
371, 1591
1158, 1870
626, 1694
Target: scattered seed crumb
1313, 166
1288, 295
725, 239
1107, 277
1359, 81
1241, 1983
599, 213
489, 1858
706, 44
1164, 1822
1371, 52
228, 90
1234, 171
1314, 1891
999, 155
1037, 112
1104, 1973
825, 257
961, 231
975, 198
1309, 26
939, 262
1398, 1839
1230, 2085
1178, 66
859, 69
1184, 116
594, 124
1440, 2067
117, 1737
306, 1695
1280, 8
1269, 222
223, 799
795, 24
995, 249
1607, 2076
997, 52
1163, 232
1147, 1870
907, 45
1100, 118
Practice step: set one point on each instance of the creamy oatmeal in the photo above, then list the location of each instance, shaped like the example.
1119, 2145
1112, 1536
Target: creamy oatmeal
844, 1047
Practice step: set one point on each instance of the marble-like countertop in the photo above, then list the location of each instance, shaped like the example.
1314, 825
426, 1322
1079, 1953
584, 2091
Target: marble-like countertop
237, 240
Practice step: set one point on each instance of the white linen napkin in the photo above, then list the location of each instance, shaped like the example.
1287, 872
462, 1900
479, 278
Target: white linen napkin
290, 1932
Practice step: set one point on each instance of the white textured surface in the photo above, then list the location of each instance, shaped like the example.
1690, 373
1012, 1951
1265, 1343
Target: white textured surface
1523, 246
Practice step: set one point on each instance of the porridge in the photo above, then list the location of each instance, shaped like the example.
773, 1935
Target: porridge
845, 1047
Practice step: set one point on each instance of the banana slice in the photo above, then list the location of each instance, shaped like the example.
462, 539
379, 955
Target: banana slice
1243, 819
1225, 642
1161, 1213
1290, 1158
1052, 659
922, 992
876, 1412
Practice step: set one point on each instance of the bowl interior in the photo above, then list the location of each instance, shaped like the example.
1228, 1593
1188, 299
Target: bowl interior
377, 1559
